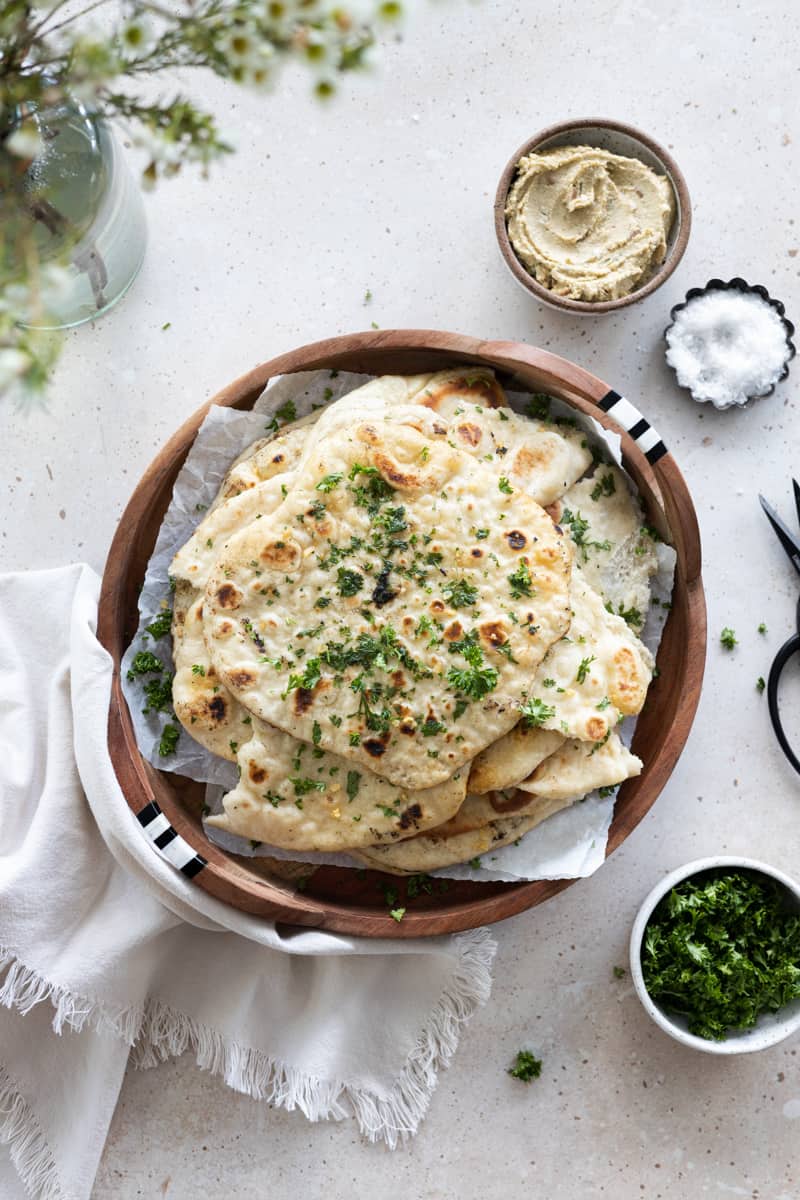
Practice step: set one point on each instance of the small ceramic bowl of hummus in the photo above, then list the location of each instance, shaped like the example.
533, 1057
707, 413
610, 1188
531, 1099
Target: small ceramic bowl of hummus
592, 216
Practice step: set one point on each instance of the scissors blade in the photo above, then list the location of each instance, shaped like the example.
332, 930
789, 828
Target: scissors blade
796, 488
783, 534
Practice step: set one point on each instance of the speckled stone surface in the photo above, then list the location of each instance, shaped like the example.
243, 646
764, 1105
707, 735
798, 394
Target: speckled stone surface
390, 189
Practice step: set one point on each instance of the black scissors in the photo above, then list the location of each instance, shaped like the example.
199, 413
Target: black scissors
791, 545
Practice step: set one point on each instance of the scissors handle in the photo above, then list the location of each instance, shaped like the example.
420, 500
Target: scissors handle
787, 650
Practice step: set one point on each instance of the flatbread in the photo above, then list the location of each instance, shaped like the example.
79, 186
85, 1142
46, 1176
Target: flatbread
511, 758
434, 850
401, 590
536, 455
265, 458
205, 708
595, 675
194, 560
577, 768
617, 551
301, 797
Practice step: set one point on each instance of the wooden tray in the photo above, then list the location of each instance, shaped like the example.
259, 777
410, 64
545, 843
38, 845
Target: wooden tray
350, 901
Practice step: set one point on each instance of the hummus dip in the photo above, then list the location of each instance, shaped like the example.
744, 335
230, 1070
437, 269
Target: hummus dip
587, 224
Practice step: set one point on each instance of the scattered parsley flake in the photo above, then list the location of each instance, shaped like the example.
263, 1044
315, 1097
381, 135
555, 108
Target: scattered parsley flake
538, 407
161, 625
762, 628
460, 593
583, 668
329, 482
605, 486
353, 784
169, 740
144, 663
535, 712
303, 786
505, 486
283, 415
526, 1067
728, 638
397, 914
520, 580
760, 684
348, 582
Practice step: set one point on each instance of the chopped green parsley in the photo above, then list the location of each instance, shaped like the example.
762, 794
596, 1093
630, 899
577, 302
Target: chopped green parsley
169, 740
329, 482
728, 638
721, 949
144, 663
605, 486
287, 412
348, 582
161, 625
520, 580
536, 712
526, 1067
353, 784
460, 593
583, 668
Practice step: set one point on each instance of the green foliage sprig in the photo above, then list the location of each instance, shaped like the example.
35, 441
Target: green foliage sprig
99, 53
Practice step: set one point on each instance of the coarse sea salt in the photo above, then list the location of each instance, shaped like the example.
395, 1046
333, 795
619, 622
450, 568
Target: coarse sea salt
727, 347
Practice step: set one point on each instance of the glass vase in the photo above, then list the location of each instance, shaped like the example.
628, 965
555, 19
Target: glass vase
85, 211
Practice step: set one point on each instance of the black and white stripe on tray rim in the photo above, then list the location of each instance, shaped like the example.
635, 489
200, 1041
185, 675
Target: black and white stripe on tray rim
168, 841
634, 424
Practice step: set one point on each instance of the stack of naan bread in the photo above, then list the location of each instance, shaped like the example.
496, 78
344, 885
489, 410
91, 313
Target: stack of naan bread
411, 618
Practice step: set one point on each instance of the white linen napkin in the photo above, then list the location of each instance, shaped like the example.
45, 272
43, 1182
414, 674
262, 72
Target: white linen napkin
106, 947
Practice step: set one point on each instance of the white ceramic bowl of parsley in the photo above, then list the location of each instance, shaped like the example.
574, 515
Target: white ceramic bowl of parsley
770, 1027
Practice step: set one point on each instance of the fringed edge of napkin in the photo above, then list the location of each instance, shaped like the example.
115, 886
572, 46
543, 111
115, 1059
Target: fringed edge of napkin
391, 1118
158, 1033
27, 1145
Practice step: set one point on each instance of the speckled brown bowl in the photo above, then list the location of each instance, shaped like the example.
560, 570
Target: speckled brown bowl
618, 139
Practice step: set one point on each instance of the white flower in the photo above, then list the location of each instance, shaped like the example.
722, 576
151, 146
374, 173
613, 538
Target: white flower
13, 363
138, 37
25, 142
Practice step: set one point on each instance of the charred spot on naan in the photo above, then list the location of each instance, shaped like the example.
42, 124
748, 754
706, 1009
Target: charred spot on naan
303, 699
477, 388
229, 596
469, 433
596, 729
241, 678
494, 632
410, 816
281, 555
256, 773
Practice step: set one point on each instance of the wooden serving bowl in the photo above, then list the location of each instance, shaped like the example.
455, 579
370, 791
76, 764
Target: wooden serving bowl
354, 901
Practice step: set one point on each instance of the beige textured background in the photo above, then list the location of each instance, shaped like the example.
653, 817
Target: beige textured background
390, 189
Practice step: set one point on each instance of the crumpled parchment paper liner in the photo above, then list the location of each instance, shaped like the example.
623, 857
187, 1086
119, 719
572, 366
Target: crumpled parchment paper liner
569, 845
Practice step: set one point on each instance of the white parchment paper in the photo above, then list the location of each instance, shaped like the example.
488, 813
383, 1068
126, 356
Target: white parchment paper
569, 845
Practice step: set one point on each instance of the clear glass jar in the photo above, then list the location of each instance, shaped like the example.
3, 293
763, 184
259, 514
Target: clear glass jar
86, 213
